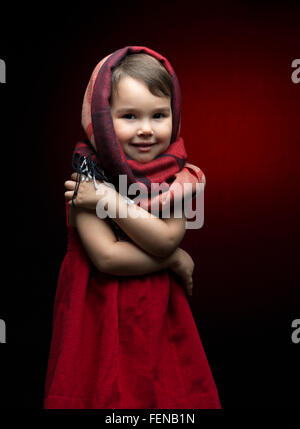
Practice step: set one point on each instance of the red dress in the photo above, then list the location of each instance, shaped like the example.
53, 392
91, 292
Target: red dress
123, 342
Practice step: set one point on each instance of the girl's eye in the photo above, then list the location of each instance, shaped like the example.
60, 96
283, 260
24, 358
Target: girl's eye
132, 116
159, 115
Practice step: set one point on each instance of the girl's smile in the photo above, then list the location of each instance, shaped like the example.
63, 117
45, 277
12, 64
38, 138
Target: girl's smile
144, 147
142, 121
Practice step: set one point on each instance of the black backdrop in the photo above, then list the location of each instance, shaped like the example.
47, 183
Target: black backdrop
246, 255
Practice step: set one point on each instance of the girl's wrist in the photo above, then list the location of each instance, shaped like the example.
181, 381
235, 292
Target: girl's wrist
174, 258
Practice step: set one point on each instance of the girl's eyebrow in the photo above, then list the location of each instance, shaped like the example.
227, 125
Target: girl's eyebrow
132, 109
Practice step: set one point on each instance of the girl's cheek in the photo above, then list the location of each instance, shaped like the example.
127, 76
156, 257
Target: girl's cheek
121, 130
125, 134
128, 131
165, 130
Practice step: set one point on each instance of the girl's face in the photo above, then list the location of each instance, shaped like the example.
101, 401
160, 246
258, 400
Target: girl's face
142, 121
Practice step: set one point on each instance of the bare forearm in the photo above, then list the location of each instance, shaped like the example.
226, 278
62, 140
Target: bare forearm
127, 259
158, 237
146, 230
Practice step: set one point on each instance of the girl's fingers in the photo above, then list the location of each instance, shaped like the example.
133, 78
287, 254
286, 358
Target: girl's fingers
190, 291
189, 288
69, 195
70, 185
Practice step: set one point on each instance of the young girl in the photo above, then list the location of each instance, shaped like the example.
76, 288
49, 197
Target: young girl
123, 332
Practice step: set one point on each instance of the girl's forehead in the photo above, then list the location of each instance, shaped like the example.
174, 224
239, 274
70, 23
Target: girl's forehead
133, 93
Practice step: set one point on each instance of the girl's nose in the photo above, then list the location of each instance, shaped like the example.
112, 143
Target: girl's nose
145, 130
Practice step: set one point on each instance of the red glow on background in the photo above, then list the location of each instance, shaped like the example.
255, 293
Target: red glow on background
240, 125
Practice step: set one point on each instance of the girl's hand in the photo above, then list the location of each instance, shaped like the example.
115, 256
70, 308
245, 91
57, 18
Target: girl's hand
183, 266
86, 197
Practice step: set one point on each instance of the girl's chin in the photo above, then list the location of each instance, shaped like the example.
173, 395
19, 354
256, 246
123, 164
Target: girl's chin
143, 158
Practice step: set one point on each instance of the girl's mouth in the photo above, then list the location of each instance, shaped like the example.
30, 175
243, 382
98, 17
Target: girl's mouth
143, 147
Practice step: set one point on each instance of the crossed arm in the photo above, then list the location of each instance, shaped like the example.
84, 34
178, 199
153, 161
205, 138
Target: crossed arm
157, 237
126, 258
115, 257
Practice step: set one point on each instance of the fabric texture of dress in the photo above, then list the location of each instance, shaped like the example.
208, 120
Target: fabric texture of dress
124, 342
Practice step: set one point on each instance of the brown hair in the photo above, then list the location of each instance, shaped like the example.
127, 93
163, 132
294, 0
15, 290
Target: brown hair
145, 68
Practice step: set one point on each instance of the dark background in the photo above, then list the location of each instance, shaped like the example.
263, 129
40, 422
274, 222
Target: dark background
240, 122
